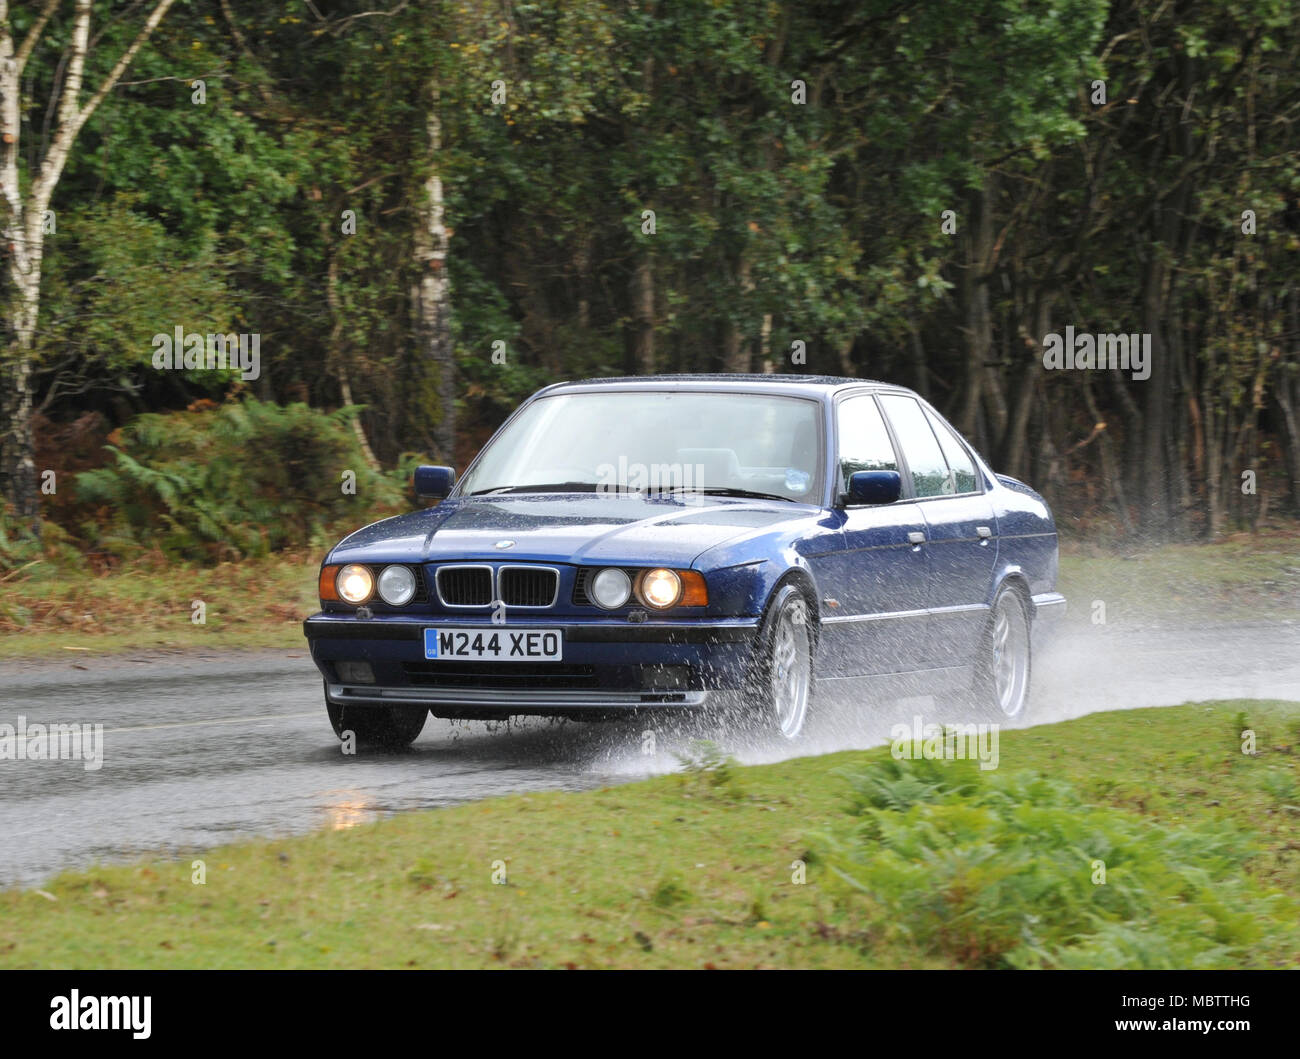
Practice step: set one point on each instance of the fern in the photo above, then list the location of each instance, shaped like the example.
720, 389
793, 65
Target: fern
1003, 871
243, 479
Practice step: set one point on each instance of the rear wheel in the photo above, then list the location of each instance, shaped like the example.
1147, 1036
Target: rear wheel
389, 727
1003, 668
781, 680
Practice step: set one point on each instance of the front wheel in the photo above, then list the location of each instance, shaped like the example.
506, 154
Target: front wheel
387, 727
781, 680
1003, 668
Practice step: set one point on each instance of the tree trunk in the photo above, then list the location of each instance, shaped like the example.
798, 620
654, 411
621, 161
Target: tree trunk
1153, 505
583, 263
1286, 393
21, 300
975, 296
920, 373
1213, 431
643, 314
1109, 464
335, 354
736, 353
24, 214
20, 441
433, 299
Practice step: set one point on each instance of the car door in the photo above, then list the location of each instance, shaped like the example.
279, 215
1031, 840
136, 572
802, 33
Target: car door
874, 590
961, 529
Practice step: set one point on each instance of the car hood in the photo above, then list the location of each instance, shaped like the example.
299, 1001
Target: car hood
579, 528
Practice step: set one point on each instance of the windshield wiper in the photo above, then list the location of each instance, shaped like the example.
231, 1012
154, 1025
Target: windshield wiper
725, 490
548, 487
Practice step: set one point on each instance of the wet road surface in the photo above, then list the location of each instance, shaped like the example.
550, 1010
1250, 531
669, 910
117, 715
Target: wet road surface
206, 748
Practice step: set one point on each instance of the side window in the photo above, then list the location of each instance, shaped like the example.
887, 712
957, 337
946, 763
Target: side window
925, 460
959, 461
863, 440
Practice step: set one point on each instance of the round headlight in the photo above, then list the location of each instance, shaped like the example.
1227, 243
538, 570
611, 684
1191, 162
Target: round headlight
611, 588
661, 588
355, 583
396, 585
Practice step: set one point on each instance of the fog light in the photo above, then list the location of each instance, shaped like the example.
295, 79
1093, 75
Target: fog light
611, 588
355, 672
396, 585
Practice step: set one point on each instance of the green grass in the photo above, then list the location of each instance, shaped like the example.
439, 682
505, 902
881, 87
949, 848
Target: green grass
695, 869
1244, 577
47, 609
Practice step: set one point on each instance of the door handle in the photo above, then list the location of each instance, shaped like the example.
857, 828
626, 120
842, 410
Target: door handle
984, 533
917, 538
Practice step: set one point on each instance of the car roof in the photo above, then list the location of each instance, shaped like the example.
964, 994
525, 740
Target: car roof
747, 382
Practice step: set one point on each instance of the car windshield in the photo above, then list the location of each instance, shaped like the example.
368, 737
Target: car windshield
740, 444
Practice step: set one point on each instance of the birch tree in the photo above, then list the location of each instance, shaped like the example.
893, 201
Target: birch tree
433, 291
27, 191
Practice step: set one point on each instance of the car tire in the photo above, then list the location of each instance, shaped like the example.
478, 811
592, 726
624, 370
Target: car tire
779, 691
1004, 665
378, 727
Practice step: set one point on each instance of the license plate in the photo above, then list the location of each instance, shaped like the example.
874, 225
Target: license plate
494, 645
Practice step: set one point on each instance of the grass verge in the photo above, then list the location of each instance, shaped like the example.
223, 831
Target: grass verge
1243, 577
697, 869
46, 610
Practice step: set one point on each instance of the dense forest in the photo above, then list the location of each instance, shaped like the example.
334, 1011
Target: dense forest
416, 212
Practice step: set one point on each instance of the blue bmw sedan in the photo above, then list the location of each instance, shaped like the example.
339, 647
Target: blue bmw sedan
751, 543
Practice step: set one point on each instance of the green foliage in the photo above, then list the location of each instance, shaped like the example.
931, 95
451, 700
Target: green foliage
18, 548
993, 870
707, 761
22, 553
244, 478
669, 891
1281, 785
117, 277
777, 222
423, 874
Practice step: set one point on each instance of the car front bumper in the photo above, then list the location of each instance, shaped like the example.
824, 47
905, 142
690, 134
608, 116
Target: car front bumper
607, 666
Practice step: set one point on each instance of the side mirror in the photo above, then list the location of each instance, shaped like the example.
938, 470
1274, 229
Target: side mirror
433, 482
874, 487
